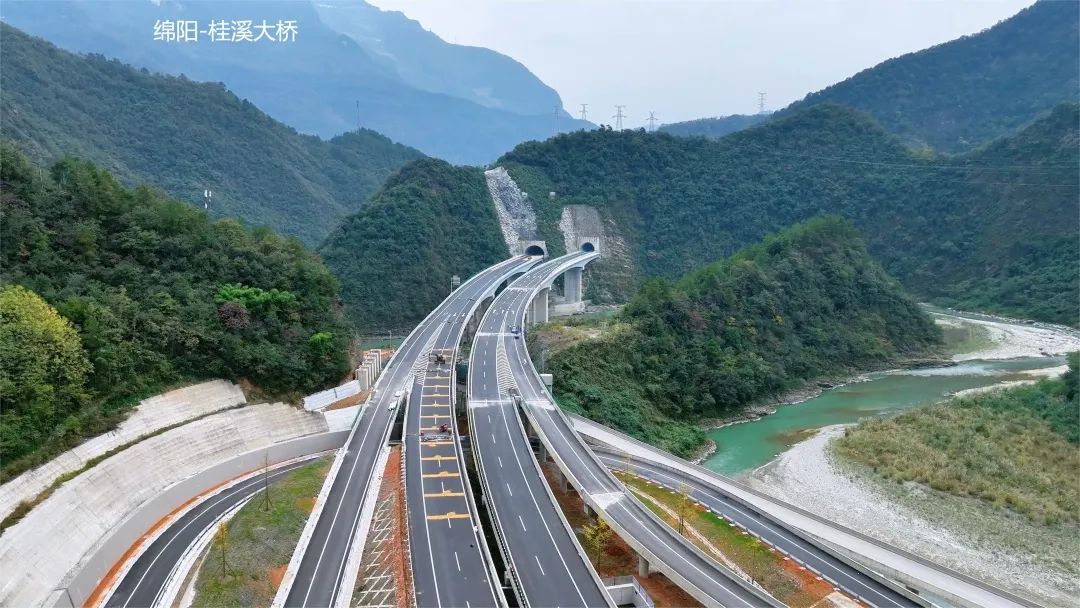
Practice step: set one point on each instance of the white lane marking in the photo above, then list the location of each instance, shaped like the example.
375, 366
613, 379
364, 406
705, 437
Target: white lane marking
508, 488
458, 561
522, 522
782, 533
500, 461
539, 565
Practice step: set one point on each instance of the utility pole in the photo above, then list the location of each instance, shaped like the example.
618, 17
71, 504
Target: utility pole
652, 120
266, 481
618, 117
761, 103
584, 111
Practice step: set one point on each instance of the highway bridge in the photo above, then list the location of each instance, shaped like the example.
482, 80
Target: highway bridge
876, 560
657, 544
545, 564
318, 574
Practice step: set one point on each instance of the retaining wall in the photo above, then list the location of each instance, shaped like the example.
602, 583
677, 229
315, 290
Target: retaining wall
64, 534
149, 416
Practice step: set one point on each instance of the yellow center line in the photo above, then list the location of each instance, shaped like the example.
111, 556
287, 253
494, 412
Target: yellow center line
435, 443
439, 457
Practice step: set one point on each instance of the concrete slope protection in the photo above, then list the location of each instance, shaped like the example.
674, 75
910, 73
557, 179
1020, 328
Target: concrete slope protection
852, 581
546, 564
914, 572
450, 564
323, 558
656, 542
145, 582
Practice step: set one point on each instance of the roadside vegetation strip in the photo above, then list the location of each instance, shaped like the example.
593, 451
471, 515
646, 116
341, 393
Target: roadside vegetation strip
245, 562
1015, 449
783, 578
26, 506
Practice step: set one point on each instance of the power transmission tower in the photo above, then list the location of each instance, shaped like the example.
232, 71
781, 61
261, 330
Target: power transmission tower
557, 109
357, 115
652, 119
761, 103
618, 117
584, 112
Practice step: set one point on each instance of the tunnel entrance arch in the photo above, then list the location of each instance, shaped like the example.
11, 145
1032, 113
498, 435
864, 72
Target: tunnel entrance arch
588, 247
534, 250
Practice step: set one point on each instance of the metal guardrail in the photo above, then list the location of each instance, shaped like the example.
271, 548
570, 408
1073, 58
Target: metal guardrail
721, 480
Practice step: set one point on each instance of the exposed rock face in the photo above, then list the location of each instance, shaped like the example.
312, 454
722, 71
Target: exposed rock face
517, 219
580, 222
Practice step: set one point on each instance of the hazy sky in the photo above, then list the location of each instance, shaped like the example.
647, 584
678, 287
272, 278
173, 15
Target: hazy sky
688, 59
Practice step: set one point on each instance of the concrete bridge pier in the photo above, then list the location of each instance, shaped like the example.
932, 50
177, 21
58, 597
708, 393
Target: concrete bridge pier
642, 566
572, 285
540, 306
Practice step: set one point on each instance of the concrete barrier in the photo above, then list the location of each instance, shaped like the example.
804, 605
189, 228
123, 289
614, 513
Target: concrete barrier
81, 583
64, 533
151, 415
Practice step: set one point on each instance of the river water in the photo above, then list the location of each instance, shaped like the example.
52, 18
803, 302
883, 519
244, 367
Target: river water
746, 446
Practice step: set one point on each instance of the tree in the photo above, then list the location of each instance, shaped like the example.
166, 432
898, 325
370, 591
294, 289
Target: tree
43, 371
221, 539
683, 504
597, 535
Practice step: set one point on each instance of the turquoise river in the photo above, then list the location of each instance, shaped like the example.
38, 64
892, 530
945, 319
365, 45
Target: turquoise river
746, 446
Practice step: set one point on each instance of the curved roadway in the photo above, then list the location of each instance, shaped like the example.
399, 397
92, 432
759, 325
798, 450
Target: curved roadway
543, 556
668, 551
322, 566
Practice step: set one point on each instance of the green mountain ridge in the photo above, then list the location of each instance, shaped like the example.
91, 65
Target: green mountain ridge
958, 95
805, 303
992, 230
156, 292
186, 137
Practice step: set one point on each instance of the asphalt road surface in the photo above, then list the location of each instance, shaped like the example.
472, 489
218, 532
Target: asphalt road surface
543, 554
848, 579
712, 582
149, 575
322, 567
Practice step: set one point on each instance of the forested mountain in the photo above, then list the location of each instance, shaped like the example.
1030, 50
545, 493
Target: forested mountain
713, 127
395, 257
958, 95
349, 63
993, 230
186, 137
135, 292
805, 303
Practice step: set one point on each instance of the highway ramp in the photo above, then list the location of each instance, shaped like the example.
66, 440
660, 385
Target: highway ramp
146, 580
546, 564
663, 548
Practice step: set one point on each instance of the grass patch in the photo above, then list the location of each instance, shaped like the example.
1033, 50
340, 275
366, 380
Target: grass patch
259, 542
1014, 449
752, 557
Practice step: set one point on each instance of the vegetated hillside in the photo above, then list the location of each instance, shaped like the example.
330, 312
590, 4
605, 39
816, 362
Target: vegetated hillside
994, 230
960, 94
186, 137
149, 292
348, 63
713, 128
395, 257
805, 303
1015, 449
